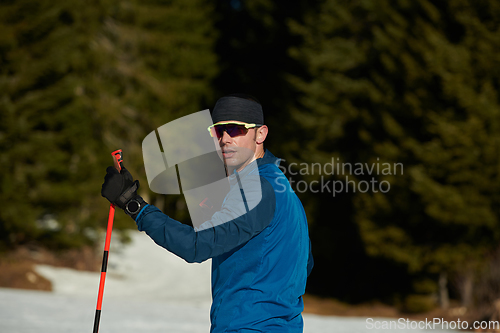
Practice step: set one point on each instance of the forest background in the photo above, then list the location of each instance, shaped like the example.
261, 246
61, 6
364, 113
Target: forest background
371, 82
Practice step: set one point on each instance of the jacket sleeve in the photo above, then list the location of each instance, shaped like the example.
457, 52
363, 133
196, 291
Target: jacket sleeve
230, 227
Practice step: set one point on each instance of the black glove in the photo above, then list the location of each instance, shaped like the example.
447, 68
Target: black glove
121, 190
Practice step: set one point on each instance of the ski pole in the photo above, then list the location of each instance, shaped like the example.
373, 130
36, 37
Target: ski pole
117, 159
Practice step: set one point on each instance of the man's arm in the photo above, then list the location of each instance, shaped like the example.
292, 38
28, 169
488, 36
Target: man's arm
230, 228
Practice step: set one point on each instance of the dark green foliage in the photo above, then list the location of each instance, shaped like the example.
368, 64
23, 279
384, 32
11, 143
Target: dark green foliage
77, 81
413, 83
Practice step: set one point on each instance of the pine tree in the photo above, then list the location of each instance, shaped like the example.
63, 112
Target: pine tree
405, 82
77, 81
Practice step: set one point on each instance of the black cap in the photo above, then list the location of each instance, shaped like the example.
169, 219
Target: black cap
238, 108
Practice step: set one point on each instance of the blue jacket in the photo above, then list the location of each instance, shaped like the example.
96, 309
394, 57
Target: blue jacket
260, 260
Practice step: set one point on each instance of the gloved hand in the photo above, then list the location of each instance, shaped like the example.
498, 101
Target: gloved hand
121, 190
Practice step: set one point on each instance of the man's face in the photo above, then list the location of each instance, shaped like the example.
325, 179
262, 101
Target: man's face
239, 150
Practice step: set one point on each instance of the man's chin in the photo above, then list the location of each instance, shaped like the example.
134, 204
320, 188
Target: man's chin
231, 162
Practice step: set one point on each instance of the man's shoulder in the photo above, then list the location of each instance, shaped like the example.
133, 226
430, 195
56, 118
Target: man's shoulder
269, 165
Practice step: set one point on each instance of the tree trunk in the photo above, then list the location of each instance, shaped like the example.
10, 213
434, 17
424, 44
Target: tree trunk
466, 289
444, 300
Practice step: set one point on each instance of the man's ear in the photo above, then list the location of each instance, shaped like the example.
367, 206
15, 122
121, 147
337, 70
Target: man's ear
261, 134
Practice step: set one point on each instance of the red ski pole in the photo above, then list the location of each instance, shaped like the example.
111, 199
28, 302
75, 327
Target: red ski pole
117, 159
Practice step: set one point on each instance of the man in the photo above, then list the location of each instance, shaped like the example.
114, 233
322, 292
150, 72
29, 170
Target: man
258, 240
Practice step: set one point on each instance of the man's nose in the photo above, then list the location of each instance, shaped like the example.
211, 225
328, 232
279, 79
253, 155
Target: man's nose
226, 138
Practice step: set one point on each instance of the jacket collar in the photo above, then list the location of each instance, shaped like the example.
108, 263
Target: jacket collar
268, 158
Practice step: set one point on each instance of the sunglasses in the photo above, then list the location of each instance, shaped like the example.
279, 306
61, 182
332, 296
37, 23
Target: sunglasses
232, 129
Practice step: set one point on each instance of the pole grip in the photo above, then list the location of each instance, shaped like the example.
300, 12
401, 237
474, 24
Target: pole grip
117, 159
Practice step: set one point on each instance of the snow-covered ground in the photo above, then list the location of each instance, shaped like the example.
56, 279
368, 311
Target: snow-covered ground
147, 290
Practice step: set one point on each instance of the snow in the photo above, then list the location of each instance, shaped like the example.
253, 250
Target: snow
43, 312
142, 271
147, 289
